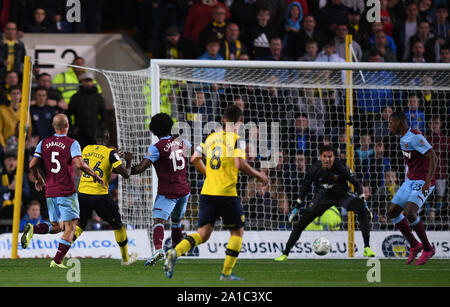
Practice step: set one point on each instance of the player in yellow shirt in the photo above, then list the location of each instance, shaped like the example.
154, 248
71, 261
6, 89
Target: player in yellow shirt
225, 157
94, 196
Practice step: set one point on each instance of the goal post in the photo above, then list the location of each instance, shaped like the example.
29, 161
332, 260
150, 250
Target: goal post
197, 91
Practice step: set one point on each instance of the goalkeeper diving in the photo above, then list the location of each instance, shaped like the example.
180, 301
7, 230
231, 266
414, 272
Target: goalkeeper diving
330, 176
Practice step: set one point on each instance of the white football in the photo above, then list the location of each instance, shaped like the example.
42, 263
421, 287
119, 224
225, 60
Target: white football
321, 246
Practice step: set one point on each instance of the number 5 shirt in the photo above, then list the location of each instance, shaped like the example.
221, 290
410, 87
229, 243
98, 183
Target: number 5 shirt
57, 153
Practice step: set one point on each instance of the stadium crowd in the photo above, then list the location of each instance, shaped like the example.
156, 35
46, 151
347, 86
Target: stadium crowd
271, 30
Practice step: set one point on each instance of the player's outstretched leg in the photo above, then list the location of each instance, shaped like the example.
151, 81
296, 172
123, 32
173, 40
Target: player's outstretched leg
169, 264
158, 238
357, 205
232, 253
30, 230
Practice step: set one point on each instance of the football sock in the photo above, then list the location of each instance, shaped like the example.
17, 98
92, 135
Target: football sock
420, 231
63, 248
77, 233
232, 253
177, 235
158, 236
402, 224
186, 244
121, 239
42, 228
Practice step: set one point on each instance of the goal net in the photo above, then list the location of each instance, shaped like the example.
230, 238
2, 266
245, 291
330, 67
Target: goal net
290, 109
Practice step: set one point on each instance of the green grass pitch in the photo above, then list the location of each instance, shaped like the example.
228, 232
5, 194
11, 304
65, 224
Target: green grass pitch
205, 273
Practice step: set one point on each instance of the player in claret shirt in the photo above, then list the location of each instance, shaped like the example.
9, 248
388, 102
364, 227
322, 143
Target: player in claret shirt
421, 161
56, 157
169, 157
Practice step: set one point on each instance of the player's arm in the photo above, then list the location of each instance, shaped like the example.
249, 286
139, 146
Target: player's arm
351, 177
118, 167
196, 159
151, 156
433, 159
35, 168
84, 167
243, 166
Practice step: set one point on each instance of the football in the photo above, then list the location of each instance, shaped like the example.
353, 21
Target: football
321, 246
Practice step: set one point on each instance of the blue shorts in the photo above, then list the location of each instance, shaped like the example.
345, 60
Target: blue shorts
411, 191
63, 208
165, 207
211, 208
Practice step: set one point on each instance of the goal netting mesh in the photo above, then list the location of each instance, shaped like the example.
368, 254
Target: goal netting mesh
288, 113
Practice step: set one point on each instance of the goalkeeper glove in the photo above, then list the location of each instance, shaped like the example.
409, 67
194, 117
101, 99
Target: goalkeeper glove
363, 198
294, 211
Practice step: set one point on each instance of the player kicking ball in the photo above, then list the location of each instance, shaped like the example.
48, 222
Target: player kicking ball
421, 161
95, 197
169, 157
225, 157
58, 154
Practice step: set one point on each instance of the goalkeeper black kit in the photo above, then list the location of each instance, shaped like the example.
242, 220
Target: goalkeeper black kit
331, 188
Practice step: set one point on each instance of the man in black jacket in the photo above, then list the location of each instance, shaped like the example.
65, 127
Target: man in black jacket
330, 177
86, 111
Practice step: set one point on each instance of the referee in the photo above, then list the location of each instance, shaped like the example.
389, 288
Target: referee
330, 177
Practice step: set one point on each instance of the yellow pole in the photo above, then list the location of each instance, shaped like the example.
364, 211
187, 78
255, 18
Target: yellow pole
21, 155
349, 145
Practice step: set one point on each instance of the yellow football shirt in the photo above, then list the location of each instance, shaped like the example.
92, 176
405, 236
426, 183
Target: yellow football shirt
102, 160
220, 149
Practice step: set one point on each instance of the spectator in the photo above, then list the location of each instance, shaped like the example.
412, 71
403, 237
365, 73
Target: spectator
404, 30
200, 109
198, 17
8, 185
33, 215
339, 42
243, 13
275, 51
296, 44
328, 54
312, 50
42, 115
211, 53
10, 116
39, 23
231, 47
441, 26
334, 13
87, 108
61, 25
390, 43
429, 41
12, 51
259, 35
297, 171
11, 80
381, 124
417, 52
54, 99
444, 54
387, 17
305, 139
363, 154
383, 196
68, 82
357, 28
216, 27
415, 117
312, 105
426, 11
292, 24
381, 45
177, 47
379, 164
433, 102
441, 145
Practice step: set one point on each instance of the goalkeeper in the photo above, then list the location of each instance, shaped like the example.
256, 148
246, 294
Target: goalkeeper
330, 177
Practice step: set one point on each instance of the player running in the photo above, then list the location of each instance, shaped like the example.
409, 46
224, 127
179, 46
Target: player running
421, 161
93, 196
330, 177
58, 154
169, 157
225, 156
